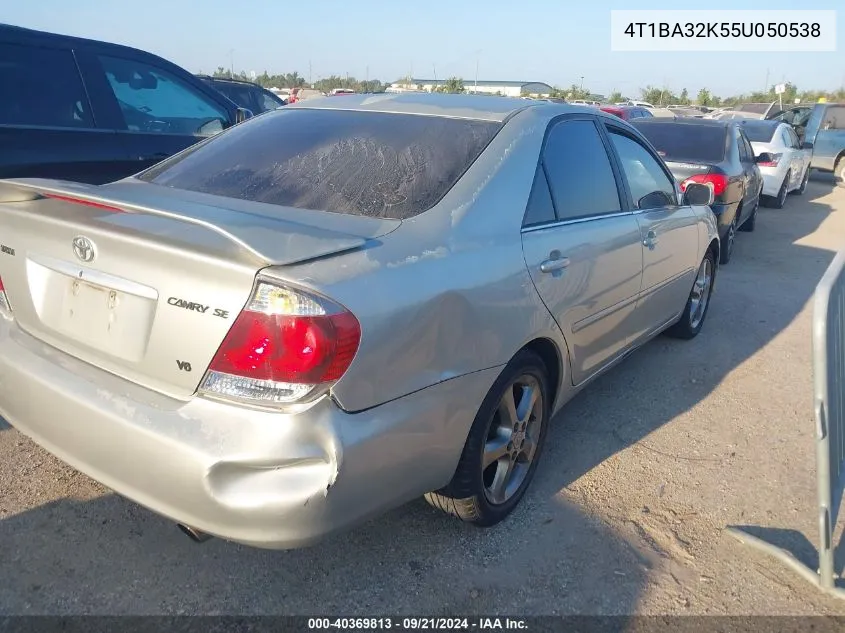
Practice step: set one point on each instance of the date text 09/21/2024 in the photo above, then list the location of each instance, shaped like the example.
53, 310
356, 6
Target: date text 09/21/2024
417, 623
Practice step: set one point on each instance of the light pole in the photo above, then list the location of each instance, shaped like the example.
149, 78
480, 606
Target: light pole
231, 63
582, 83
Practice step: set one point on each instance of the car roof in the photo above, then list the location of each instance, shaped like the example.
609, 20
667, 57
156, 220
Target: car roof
689, 121
243, 82
20, 33
479, 107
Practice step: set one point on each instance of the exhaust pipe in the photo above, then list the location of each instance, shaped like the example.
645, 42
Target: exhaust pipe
195, 535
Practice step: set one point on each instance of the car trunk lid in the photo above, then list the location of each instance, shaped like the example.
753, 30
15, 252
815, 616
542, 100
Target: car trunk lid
682, 170
143, 281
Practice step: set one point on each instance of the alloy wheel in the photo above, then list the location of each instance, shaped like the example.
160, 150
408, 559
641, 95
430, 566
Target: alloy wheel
700, 293
512, 439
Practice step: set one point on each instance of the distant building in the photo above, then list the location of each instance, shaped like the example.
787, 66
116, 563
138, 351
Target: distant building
504, 88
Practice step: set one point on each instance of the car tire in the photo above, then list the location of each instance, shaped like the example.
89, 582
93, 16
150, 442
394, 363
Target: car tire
698, 302
779, 201
484, 495
839, 172
800, 191
727, 249
749, 225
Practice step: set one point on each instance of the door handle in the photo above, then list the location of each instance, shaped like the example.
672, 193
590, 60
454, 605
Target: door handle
651, 240
555, 262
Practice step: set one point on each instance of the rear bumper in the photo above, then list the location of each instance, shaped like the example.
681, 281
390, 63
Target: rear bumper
263, 479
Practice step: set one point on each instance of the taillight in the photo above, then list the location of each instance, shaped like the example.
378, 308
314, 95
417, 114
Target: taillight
718, 182
285, 346
5, 307
772, 163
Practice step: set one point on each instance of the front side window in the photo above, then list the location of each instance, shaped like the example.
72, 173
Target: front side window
375, 164
41, 87
579, 171
650, 186
153, 100
834, 118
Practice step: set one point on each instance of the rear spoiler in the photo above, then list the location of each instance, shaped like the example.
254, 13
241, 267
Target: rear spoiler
266, 238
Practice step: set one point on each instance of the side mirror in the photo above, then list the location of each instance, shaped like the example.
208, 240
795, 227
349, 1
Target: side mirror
765, 157
698, 195
242, 115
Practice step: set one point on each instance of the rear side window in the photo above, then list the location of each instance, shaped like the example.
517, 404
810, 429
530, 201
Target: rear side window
153, 100
759, 132
41, 86
834, 118
580, 176
540, 208
685, 141
375, 164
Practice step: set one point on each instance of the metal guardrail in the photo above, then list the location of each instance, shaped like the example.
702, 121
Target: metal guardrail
829, 404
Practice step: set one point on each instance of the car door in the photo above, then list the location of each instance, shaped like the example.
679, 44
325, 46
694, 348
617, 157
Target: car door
668, 230
582, 244
750, 174
155, 112
48, 128
794, 157
802, 155
755, 177
830, 139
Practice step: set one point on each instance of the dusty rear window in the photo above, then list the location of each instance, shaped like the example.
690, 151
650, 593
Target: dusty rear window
686, 141
361, 163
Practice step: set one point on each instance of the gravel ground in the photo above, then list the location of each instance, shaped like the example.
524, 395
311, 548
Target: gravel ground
642, 473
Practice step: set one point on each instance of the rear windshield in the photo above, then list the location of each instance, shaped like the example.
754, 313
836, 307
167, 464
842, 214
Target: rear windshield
756, 108
759, 131
375, 164
685, 141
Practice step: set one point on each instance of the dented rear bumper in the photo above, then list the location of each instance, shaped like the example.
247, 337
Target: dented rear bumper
259, 478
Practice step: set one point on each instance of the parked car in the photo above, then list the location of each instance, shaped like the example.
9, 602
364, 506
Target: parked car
761, 109
789, 168
821, 129
626, 113
726, 115
94, 112
307, 348
245, 94
695, 113
639, 104
719, 155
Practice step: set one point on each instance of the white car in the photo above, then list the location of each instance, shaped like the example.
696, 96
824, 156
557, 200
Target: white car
789, 169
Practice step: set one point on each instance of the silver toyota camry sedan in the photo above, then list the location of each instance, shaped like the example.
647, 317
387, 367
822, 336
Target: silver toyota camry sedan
337, 307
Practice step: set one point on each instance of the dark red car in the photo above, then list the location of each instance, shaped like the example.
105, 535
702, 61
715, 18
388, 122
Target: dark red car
627, 112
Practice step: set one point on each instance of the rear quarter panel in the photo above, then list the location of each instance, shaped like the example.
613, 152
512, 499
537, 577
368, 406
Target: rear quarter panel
447, 293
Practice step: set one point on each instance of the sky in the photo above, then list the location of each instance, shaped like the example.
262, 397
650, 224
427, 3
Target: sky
552, 41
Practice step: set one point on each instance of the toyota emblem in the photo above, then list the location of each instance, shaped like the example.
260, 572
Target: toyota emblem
84, 249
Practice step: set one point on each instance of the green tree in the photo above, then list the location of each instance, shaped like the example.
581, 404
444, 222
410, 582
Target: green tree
704, 97
616, 97
454, 85
684, 98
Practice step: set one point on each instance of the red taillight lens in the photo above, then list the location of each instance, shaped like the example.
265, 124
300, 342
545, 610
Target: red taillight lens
285, 345
719, 182
293, 349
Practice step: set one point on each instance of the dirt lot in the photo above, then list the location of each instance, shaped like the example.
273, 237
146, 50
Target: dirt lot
642, 473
